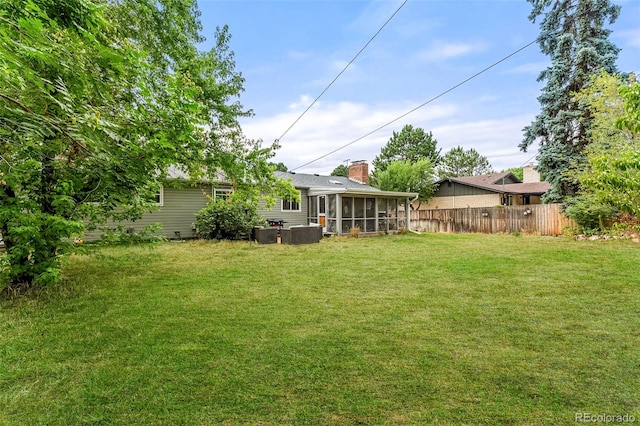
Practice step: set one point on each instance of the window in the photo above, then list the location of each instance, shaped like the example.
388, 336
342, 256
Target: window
158, 197
347, 207
312, 210
290, 205
222, 193
347, 214
359, 212
332, 207
370, 213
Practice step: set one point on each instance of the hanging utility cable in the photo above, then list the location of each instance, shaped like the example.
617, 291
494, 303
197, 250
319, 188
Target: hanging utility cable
343, 70
419, 106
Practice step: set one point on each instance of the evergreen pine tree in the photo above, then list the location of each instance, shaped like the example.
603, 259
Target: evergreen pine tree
411, 144
573, 34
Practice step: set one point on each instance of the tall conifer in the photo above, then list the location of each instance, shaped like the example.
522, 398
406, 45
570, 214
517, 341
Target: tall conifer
574, 36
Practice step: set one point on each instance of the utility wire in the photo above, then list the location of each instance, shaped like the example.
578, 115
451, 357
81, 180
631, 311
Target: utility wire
343, 70
419, 106
527, 162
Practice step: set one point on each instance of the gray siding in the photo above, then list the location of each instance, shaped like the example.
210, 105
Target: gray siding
178, 213
291, 218
180, 205
449, 189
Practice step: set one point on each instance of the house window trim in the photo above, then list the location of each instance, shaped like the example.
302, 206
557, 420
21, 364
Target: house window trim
160, 193
223, 193
298, 203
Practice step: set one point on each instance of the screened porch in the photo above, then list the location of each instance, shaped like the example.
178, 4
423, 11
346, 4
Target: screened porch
338, 213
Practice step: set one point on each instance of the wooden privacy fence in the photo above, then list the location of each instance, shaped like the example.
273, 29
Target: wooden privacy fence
542, 219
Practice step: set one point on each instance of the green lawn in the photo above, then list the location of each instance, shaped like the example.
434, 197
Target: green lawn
433, 329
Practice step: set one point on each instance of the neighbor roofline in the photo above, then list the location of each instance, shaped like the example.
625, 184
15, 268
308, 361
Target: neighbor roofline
354, 191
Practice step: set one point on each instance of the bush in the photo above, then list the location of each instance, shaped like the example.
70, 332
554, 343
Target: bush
589, 214
227, 220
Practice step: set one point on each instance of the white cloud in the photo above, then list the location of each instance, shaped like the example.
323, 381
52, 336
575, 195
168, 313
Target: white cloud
414, 28
303, 102
496, 139
530, 68
441, 50
330, 126
296, 54
339, 64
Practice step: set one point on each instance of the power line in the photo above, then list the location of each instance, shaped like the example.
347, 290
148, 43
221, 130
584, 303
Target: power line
343, 70
527, 162
419, 106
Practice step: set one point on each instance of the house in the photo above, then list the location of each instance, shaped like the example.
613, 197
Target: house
176, 209
336, 203
488, 191
340, 203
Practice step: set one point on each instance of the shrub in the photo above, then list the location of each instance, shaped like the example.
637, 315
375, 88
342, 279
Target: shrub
227, 220
589, 214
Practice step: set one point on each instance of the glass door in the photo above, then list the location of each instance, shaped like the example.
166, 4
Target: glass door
322, 212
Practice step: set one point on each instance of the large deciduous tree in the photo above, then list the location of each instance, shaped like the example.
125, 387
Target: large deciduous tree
516, 171
405, 176
340, 170
460, 162
610, 177
280, 167
574, 36
98, 101
630, 119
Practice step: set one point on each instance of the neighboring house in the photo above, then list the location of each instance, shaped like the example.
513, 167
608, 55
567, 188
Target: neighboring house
337, 203
488, 191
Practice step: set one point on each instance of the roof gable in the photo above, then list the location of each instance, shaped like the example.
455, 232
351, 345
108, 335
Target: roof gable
505, 182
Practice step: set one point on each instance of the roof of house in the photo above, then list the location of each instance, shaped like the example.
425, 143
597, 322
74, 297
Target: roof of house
495, 182
176, 173
302, 180
336, 184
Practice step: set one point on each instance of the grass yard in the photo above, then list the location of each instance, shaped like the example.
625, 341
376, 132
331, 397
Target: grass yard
402, 330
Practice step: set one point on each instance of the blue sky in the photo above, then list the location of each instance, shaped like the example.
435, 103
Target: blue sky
289, 51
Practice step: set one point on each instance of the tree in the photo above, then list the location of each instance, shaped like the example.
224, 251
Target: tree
573, 35
404, 176
630, 119
409, 145
98, 102
458, 162
516, 171
610, 177
341, 170
281, 167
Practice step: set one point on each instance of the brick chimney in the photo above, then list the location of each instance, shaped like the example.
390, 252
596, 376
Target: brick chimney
359, 171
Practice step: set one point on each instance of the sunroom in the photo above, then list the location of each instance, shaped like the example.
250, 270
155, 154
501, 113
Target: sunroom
338, 211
